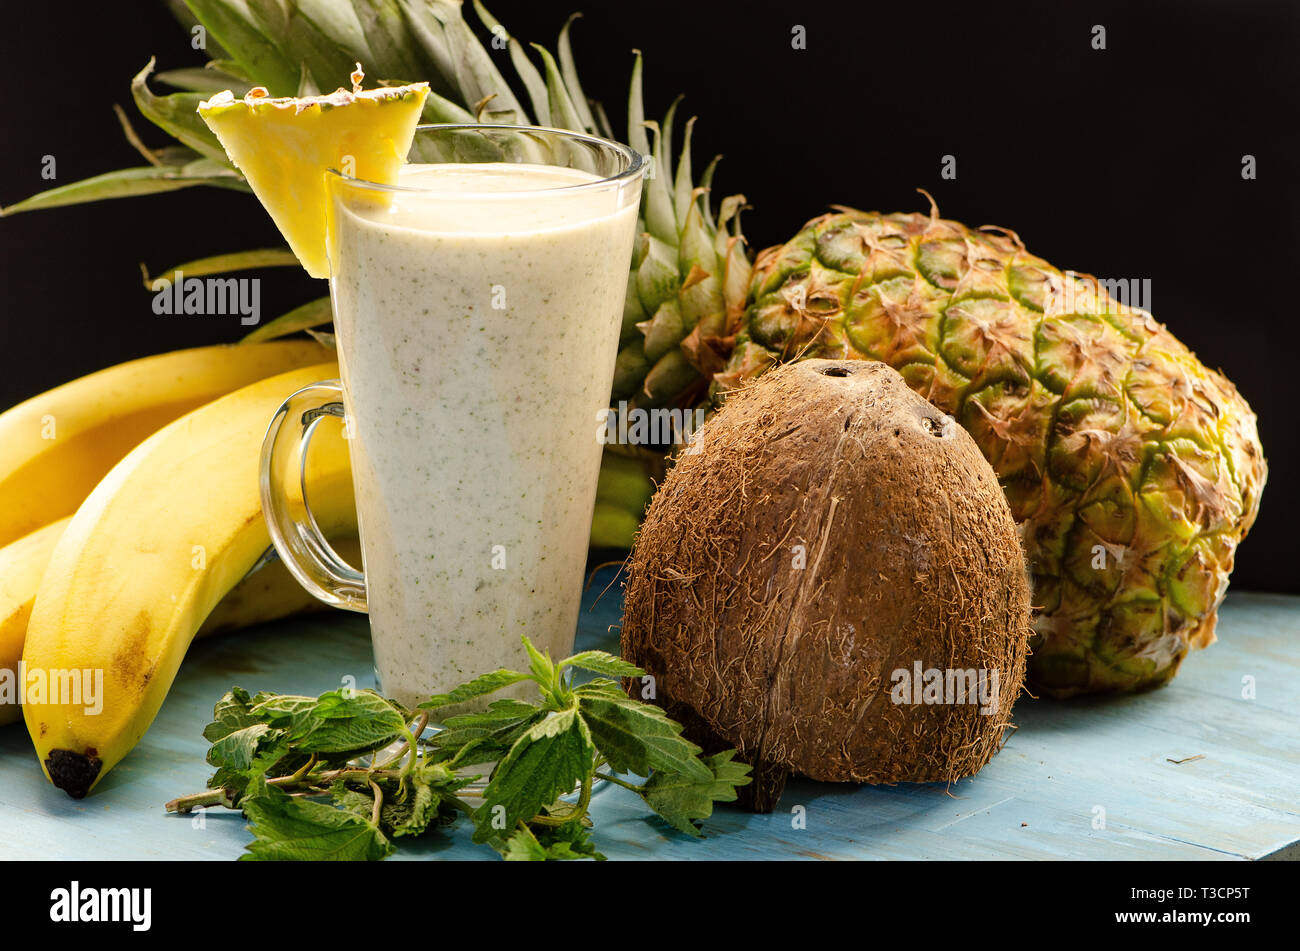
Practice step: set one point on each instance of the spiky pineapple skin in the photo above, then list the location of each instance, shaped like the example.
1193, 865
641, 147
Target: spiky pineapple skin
1133, 470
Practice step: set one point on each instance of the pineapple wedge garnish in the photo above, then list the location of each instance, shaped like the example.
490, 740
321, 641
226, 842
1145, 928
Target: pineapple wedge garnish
285, 146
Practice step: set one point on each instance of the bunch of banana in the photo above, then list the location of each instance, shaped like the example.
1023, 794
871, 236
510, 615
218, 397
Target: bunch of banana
139, 568
55, 447
267, 594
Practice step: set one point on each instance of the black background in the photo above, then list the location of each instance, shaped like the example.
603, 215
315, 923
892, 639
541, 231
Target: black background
1124, 163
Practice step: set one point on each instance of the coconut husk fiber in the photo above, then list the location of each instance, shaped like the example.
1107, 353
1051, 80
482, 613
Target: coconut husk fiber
828, 529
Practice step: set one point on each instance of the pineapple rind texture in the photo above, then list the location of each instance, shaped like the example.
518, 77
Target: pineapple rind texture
1133, 470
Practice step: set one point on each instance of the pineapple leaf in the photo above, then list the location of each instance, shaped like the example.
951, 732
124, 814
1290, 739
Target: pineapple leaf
223, 263
570, 73
453, 47
701, 294
200, 79
188, 21
236, 27
665, 330
658, 200
427, 32
636, 128
128, 182
671, 374
178, 115
328, 39
706, 185
563, 113
393, 53
657, 278
666, 146
684, 185
230, 68
306, 84
437, 109
604, 128
728, 212
532, 79
312, 314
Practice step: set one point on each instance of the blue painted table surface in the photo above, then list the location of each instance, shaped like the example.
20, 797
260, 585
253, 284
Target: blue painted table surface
1191, 771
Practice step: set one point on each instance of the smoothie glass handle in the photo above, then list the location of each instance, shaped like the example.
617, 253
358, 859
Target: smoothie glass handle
283, 482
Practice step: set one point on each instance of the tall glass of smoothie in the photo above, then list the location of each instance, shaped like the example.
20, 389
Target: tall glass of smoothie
477, 306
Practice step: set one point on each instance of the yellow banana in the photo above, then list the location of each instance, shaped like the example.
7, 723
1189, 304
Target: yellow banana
143, 562
271, 593
22, 563
55, 447
268, 594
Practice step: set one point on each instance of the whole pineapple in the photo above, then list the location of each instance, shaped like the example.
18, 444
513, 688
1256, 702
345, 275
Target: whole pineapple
1133, 470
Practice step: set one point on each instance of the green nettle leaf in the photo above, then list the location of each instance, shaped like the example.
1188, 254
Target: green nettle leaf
546, 762
431, 803
342, 721
412, 815
478, 687
312, 314
237, 750
600, 687
245, 748
238, 769
295, 765
681, 801
359, 802
638, 738
599, 662
522, 846
289, 829
541, 665
284, 711
232, 712
548, 843
487, 736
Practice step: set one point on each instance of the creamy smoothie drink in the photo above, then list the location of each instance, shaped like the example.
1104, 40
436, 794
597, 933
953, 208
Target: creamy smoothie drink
477, 308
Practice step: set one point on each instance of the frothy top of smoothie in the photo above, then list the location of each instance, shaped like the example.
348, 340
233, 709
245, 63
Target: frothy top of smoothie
483, 198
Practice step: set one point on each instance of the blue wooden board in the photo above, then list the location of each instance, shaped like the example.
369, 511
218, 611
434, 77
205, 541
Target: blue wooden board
1089, 778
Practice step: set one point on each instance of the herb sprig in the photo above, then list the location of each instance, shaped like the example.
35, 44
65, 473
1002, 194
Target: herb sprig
342, 776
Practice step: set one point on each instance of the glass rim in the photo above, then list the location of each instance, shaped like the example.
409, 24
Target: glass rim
636, 163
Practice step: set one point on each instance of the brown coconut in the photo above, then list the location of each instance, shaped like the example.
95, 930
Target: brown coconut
832, 528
